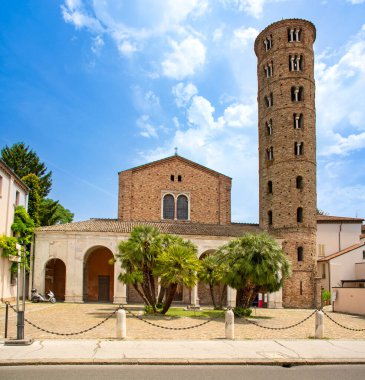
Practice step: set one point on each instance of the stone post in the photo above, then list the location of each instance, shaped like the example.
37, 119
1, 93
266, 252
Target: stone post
229, 324
319, 332
121, 324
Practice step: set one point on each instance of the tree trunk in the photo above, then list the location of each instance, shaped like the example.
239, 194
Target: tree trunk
169, 298
145, 300
240, 298
211, 288
161, 294
223, 296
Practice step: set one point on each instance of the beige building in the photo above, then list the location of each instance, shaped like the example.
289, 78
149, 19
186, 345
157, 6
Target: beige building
13, 192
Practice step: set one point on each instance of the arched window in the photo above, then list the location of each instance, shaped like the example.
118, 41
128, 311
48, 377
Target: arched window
300, 255
297, 94
298, 120
300, 214
299, 182
269, 187
268, 125
298, 148
168, 207
182, 207
269, 216
294, 35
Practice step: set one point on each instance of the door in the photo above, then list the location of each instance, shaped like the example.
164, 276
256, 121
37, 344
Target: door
103, 293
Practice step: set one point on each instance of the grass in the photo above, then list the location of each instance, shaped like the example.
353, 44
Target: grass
207, 313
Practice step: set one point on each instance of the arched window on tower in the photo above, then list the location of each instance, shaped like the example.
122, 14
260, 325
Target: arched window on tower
294, 34
300, 254
182, 207
269, 217
300, 215
268, 42
269, 69
298, 120
269, 100
298, 148
168, 207
270, 153
299, 182
295, 62
268, 125
269, 187
297, 94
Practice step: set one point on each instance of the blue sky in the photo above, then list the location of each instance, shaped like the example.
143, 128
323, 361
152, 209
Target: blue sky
99, 86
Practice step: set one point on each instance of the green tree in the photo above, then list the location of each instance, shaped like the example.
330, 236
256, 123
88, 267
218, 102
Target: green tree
142, 258
177, 265
22, 226
212, 273
34, 201
52, 212
24, 161
256, 264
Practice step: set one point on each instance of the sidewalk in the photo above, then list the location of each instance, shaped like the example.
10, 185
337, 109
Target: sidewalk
266, 352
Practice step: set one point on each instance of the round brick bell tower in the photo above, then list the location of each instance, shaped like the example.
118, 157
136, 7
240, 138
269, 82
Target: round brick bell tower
287, 149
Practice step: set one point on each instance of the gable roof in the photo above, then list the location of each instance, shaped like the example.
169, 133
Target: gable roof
337, 219
9, 171
340, 253
119, 226
172, 158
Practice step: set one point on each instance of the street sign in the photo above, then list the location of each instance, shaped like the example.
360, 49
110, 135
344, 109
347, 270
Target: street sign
15, 259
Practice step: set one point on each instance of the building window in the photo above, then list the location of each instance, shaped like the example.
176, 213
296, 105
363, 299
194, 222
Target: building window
323, 270
269, 100
363, 255
172, 178
182, 207
295, 62
300, 214
299, 182
17, 198
298, 148
268, 43
297, 94
13, 278
168, 207
269, 217
268, 125
269, 70
270, 153
179, 178
300, 255
269, 187
301, 288
294, 35
298, 120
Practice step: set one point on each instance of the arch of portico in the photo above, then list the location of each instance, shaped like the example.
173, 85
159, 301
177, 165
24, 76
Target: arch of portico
55, 278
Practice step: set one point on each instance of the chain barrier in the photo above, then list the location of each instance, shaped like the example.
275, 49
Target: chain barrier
280, 328
170, 328
68, 334
339, 324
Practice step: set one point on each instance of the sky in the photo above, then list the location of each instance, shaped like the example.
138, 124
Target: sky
95, 87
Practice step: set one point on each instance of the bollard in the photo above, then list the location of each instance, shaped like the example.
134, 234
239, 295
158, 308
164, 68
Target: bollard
319, 333
121, 324
229, 324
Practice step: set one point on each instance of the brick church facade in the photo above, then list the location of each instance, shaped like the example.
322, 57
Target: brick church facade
179, 196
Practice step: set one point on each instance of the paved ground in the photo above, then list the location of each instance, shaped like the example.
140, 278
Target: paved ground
68, 317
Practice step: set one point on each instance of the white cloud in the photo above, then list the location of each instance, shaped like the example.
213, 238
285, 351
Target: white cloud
185, 58
97, 45
252, 7
244, 37
147, 129
183, 93
356, 1
238, 115
340, 82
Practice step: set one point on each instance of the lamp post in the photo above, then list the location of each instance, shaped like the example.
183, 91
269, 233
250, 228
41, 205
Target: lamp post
20, 313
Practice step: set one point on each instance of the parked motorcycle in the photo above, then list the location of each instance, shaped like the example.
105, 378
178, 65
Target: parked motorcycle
36, 297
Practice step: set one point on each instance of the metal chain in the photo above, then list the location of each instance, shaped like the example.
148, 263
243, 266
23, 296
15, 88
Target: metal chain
280, 328
68, 334
339, 324
170, 328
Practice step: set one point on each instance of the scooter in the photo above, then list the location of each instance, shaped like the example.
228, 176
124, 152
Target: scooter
36, 297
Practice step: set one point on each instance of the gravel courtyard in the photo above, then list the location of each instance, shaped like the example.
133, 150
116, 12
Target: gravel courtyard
70, 317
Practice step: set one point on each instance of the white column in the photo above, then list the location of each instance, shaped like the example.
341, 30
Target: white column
291, 35
120, 288
194, 296
297, 34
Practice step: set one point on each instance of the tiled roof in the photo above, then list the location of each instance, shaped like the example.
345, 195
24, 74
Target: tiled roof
336, 219
118, 226
347, 250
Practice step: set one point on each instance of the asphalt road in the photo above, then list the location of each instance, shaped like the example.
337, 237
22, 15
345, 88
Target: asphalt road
183, 372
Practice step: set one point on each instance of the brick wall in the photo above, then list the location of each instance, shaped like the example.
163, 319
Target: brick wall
141, 191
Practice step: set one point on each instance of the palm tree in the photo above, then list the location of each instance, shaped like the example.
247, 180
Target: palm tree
177, 265
256, 264
212, 273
